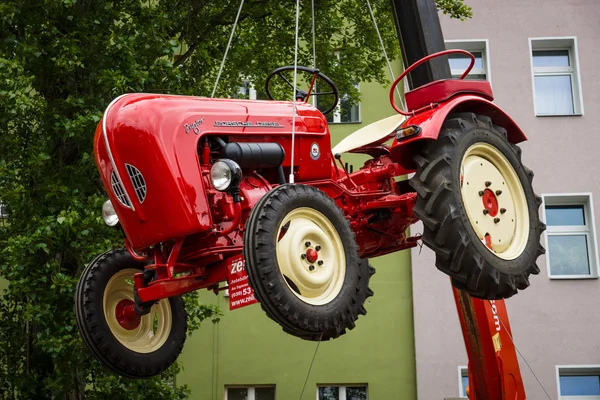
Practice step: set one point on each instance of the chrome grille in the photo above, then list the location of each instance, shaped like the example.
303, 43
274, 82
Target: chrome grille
119, 190
137, 179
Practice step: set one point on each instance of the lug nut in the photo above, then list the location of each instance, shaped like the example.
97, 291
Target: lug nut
307, 244
320, 262
318, 248
311, 267
485, 212
481, 192
488, 183
498, 192
303, 256
496, 220
502, 210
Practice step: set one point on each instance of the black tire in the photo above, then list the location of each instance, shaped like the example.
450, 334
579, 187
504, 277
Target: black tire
276, 296
97, 334
460, 252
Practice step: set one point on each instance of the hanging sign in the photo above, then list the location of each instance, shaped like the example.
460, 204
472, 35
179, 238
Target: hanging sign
240, 292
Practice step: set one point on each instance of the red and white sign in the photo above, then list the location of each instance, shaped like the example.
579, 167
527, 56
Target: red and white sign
240, 292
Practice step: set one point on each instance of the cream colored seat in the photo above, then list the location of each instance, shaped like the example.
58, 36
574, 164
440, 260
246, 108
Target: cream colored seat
369, 134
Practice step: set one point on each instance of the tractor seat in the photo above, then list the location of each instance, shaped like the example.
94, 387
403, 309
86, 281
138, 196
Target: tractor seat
442, 90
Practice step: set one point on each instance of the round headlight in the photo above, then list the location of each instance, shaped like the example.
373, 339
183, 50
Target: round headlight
225, 174
109, 214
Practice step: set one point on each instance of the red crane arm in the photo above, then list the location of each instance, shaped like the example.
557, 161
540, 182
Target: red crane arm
494, 372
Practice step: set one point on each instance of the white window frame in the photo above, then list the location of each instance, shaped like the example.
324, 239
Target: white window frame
251, 389
587, 201
342, 392
251, 88
580, 370
337, 113
481, 45
462, 371
558, 43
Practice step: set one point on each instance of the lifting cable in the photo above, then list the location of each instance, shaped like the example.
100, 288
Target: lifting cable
293, 130
310, 367
237, 17
400, 97
314, 51
291, 180
524, 359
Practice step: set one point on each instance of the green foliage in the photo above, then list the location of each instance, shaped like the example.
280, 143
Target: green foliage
455, 8
61, 63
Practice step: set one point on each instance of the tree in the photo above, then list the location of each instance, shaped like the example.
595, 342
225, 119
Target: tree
61, 63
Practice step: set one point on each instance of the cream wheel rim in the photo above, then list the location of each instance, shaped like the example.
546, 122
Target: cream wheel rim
494, 200
310, 255
153, 329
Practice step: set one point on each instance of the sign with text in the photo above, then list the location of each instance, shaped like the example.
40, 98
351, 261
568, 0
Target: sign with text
240, 292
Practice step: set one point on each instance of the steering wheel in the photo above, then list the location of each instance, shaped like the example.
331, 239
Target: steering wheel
421, 61
301, 95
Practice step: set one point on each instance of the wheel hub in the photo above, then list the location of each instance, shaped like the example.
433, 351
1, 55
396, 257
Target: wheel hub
490, 202
126, 315
311, 257
141, 334
494, 200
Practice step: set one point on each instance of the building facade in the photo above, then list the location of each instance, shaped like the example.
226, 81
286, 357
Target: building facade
542, 61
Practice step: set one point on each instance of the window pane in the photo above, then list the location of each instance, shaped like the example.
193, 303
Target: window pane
580, 386
237, 394
568, 255
465, 383
473, 77
460, 62
356, 393
565, 216
265, 393
329, 393
551, 58
553, 95
348, 113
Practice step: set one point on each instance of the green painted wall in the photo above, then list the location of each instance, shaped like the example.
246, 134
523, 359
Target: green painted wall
247, 348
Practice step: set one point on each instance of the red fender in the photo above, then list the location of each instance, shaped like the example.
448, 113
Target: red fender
431, 122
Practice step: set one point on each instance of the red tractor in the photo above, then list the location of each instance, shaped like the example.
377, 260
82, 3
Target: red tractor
198, 183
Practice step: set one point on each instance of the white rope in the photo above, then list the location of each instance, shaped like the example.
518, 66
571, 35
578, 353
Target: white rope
523, 357
313, 36
314, 51
237, 17
295, 81
386, 56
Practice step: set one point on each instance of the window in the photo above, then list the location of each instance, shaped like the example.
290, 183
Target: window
345, 112
579, 382
571, 244
459, 63
250, 393
247, 90
463, 381
351, 392
555, 71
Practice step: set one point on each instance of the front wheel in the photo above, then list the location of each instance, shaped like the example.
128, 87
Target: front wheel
479, 211
132, 345
303, 264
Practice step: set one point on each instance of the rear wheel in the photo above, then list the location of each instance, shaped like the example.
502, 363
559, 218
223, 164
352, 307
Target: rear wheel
132, 345
302, 261
478, 207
